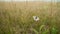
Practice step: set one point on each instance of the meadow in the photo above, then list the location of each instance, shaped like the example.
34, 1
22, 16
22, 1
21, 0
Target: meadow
17, 18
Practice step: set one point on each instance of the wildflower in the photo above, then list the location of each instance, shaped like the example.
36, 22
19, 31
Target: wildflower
36, 18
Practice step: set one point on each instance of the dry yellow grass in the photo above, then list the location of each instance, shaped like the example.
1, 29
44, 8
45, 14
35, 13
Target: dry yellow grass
17, 17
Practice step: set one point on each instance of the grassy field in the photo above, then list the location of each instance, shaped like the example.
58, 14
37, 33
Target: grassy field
17, 18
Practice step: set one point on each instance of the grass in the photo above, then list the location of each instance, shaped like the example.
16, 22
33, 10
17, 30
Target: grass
20, 20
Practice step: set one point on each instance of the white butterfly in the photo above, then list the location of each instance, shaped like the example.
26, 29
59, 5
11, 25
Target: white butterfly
36, 18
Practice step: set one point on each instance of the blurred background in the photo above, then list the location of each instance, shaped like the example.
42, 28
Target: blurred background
16, 16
